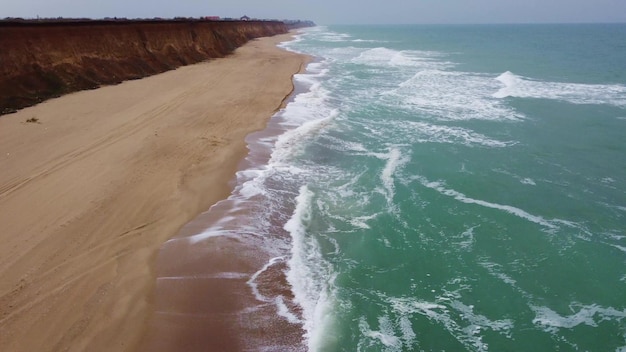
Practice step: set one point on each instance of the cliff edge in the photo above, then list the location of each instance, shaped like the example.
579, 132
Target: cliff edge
39, 61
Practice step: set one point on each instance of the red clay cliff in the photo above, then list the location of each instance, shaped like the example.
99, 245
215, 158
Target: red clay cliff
39, 61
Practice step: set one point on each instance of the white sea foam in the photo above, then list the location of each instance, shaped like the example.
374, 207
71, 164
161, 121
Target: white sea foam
367, 41
252, 281
468, 238
449, 95
302, 119
334, 37
607, 180
478, 321
621, 248
223, 275
287, 44
208, 233
496, 271
576, 93
309, 275
406, 328
384, 57
468, 333
591, 315
361, 221
523, 180
284, 311
347, 202
422, 132
291, 142
346, 146
394, 160
322, 33
385, 336
439, 187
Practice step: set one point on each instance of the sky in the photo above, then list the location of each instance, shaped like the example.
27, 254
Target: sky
334, 11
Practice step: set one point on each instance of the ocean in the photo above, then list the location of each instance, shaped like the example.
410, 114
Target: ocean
445, 188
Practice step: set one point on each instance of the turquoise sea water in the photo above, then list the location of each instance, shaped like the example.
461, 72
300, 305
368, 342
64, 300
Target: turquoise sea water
450, 188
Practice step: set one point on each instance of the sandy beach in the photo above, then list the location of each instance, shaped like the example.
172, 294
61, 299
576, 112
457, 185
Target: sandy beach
98, 180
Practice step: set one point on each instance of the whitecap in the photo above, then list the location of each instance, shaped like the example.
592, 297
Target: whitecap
439, 187
385, 58
523, 180
336, 37
291, 143
478, 321
575, 93
590, 315
395, 159
451, 96
495, 270
309, 275
368, 41
301, 120
385, 335
406, 328
324, 35
469, 335
467, 237
361, 221
607, 180
422, 132
621, 248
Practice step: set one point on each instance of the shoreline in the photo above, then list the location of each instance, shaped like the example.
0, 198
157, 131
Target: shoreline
219, 278
103, 178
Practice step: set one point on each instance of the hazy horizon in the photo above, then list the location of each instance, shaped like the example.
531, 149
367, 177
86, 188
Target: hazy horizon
330, 12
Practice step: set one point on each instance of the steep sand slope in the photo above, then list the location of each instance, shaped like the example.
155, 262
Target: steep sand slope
43, 60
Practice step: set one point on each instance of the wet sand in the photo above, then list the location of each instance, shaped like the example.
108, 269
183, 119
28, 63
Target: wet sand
93, 186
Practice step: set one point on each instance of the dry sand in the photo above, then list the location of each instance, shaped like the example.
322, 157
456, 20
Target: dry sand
90, 191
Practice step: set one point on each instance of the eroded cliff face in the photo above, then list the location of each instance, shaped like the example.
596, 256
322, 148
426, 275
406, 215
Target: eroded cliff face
43, 60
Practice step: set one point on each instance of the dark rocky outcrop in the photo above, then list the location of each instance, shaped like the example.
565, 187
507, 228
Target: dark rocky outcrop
40, 60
